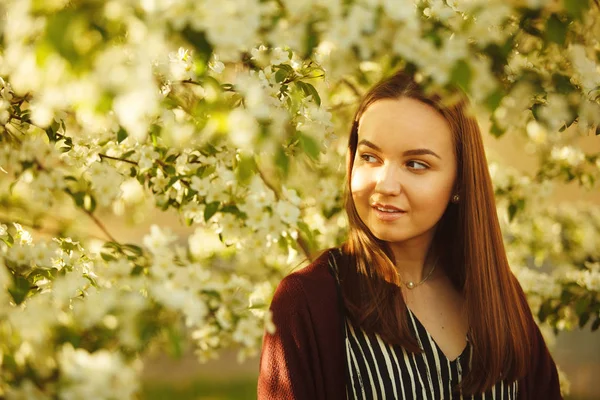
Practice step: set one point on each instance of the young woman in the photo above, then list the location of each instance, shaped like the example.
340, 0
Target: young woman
419, 302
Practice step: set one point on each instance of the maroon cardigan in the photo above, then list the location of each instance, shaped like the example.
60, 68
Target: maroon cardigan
305, 358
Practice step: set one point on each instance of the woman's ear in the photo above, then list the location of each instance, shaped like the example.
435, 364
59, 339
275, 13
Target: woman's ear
455, 195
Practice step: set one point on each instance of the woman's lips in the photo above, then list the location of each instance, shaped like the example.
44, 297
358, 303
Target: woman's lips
392, 214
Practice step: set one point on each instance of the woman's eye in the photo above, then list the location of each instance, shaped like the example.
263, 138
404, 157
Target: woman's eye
417, 165
368, 158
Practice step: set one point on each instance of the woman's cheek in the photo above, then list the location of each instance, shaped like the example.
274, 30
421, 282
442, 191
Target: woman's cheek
361, 180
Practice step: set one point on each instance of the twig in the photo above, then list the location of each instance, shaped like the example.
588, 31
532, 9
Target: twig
190, 81
267, 182
43, 229
340, 106
101, 226
117, 159
352, 87
25, 121
301, 242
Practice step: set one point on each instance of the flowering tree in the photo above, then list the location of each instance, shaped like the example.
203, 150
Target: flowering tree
229, 114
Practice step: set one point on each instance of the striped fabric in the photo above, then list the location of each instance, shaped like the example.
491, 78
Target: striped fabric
377, 370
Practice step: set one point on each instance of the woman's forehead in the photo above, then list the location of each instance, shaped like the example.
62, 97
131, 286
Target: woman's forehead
404, 121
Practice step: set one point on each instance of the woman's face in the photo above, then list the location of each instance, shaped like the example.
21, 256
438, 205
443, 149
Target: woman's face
404, 170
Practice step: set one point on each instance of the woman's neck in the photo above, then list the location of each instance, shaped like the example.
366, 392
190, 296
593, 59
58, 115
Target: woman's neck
412, 261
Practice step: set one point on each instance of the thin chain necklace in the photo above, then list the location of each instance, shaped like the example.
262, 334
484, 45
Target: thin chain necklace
411, 284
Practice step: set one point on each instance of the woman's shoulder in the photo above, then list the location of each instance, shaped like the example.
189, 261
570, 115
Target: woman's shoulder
308, 286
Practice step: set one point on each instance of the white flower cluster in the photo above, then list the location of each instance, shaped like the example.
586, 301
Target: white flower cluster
100, 375
588, 278
75, 293
587, 71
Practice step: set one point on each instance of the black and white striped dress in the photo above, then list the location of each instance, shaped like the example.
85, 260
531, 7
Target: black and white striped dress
377, 370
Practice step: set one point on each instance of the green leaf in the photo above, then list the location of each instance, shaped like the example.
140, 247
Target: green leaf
535, 110
582, 305
20, 289
498, 54
175, 341
512, 211
79, 198
58, 27
170, 170
200, 43
280, 75
545, 310
576, 8
231, 209
461, 75
112, 245
127, 154
494, 99
107, 257
172, 181
556, 29
137, 270
566, 296
132, 248
210, 210
308, 234
596, 325
310, 146
583, 319
8, 240
309, 90
562, 83
311, 39
331, 212
90, 203
434, 36
528, 21
9, 363
245, 168
515, 207
211, 293
495, 129
287, 67
282, 161
121, 134
51, 131
172, 158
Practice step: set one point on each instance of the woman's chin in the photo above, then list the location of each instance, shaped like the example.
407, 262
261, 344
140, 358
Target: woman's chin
388, 236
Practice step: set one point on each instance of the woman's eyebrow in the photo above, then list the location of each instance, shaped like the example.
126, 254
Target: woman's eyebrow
367, 143
413, 152
420, 152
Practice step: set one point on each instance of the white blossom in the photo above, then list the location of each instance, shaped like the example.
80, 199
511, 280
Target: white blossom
100, 375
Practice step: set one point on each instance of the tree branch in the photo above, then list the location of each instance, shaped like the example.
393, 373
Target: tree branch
305, 249
102, 156
101, 226
352, 87
267, 182
301, 242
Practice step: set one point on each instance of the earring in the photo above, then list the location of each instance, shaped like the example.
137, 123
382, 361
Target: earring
455, 198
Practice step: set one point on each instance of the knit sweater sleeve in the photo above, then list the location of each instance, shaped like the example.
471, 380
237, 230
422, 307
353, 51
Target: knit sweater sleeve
288, 355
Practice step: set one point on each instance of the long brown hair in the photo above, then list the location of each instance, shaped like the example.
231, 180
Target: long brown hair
467, 238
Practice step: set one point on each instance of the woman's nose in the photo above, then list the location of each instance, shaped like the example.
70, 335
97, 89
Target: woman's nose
388, 180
